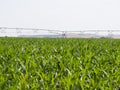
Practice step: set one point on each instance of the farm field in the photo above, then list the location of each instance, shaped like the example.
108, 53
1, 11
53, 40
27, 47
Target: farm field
59, 64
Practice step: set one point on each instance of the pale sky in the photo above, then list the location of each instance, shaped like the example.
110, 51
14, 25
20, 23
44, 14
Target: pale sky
60, 14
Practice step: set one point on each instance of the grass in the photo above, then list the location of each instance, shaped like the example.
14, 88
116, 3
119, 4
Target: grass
59, 64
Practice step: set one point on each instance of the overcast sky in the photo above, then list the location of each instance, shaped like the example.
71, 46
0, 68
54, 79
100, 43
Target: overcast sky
60, 14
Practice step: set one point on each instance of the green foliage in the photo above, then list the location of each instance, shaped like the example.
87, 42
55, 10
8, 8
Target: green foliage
59, 64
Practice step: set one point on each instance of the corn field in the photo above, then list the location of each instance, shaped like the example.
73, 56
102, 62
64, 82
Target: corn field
59, 64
